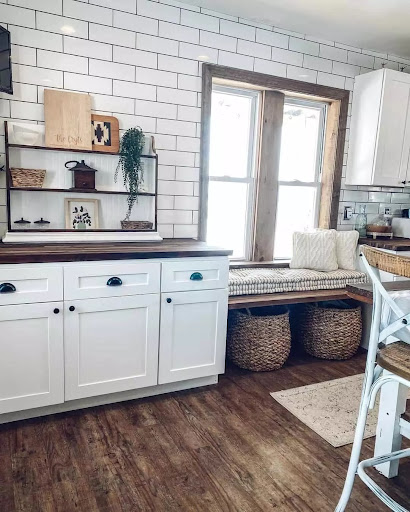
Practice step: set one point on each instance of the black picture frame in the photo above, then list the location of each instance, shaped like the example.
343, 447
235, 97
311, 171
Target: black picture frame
6, 82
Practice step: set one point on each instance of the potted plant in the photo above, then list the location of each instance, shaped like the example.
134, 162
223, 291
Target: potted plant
132, 169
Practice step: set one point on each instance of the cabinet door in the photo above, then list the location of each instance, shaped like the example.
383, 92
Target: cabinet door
393, 146
31, 356
193, 334
111, 345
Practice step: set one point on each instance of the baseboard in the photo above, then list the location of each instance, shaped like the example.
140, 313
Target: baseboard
108, 399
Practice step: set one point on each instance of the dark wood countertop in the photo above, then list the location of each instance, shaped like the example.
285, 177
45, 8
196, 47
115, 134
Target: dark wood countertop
46, 253
364, 292
391, 244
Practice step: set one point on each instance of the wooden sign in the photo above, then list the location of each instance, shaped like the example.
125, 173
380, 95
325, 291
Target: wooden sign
67, 119
105, 133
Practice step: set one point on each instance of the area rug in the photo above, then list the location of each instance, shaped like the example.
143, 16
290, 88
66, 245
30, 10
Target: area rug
329, 408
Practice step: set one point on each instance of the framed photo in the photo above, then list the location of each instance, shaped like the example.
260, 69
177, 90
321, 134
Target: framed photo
81, 214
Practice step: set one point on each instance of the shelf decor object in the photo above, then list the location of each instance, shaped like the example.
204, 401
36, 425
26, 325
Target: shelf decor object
105, 204
67, 119
81, 213
26, 133
105, 133
131, 165
83, 175
27, 177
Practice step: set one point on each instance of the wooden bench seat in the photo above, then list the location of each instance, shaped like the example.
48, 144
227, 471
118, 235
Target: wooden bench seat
276, 299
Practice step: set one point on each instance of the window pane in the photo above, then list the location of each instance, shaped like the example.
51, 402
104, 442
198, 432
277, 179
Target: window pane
299, 146
231, 128
296, 212
227, 216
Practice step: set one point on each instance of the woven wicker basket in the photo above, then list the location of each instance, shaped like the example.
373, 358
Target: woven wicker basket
329, 332
259, 341
136, 225
27, 177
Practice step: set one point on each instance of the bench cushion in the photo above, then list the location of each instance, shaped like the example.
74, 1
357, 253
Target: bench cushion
259, 281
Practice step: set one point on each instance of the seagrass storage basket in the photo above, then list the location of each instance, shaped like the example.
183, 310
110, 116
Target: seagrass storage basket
259, 339
27, 177
136, 225
329, 330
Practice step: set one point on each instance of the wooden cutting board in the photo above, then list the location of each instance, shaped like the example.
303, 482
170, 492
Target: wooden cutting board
67, 119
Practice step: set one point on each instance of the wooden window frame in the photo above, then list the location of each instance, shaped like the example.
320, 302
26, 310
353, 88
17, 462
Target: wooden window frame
335, 133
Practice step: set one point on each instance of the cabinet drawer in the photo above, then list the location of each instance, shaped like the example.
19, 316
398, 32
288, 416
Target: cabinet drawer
111, 280
26, 285
194, 275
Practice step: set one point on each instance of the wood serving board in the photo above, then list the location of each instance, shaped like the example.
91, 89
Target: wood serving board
67, 119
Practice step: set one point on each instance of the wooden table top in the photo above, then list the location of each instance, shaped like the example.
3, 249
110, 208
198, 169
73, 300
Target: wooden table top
168, 248
364, 292
393, 244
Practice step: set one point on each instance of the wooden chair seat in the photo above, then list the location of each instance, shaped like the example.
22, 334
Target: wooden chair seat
396, 359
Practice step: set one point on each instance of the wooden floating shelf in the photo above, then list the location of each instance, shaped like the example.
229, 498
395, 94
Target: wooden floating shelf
78, 191
25, 146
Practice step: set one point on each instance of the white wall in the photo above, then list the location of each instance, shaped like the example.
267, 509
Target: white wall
139, 61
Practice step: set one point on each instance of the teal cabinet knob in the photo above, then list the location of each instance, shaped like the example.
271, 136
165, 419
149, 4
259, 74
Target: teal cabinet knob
196, 276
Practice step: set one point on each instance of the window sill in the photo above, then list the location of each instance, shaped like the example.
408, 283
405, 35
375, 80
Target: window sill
260, 264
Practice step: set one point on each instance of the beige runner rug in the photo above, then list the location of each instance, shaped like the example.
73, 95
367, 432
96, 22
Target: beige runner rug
329, 408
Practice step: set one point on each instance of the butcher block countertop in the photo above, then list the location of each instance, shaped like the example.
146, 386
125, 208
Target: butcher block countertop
46, 253
391, 244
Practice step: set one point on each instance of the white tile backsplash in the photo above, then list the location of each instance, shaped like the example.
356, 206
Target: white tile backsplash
139, 60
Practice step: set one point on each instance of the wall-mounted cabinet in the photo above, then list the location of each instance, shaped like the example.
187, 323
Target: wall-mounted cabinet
379, 141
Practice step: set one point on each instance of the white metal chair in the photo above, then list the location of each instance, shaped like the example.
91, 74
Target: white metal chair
387, 361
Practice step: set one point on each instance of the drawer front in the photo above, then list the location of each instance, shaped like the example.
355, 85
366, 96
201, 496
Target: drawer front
194, 275
111, 280
25, 285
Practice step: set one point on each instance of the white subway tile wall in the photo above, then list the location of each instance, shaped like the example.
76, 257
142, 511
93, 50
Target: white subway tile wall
140, 60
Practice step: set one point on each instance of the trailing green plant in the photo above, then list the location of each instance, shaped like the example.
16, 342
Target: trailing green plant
131, 165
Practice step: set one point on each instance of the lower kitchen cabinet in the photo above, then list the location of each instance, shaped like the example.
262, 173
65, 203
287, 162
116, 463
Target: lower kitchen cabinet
193, 334
31, 356
111, 344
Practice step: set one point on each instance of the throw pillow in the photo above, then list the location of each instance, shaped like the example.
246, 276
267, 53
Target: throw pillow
315, 251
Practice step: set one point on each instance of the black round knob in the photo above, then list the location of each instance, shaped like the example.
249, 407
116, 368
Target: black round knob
169, 300
56, 311
71, 308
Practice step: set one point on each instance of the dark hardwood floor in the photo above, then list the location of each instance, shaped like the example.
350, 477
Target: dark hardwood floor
229, 447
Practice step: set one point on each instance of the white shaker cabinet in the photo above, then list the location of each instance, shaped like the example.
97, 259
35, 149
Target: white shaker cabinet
379, 140
111, 345
193, 334
31, 356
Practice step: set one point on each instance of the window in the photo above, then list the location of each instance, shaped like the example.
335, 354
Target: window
272, 158
232, 163
299, 172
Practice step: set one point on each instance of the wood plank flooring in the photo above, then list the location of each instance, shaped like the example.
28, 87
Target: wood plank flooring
229, 447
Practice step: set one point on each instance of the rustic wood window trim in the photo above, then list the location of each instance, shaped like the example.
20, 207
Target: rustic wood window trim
338, 101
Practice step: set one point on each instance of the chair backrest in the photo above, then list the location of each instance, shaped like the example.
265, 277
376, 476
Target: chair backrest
374, 261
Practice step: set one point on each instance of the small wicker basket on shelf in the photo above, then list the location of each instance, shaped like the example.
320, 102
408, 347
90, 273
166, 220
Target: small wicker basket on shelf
329, 332
259, 341
136, 225
27, 177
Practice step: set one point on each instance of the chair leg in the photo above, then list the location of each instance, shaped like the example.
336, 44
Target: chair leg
355, 454
388, 438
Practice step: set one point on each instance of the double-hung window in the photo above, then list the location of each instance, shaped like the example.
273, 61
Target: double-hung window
300, 168
232, 169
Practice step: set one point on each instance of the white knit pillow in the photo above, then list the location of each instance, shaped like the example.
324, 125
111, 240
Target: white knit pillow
316, 251
346, 245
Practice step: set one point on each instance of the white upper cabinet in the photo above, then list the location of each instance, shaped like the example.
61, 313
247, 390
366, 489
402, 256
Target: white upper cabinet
379, 142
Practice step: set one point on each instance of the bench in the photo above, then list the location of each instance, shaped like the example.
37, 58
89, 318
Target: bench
289, 286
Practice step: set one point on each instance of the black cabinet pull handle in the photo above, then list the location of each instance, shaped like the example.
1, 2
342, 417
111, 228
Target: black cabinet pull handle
196, 276
7, 288
56, 311
71, 308
114, 281
169, 300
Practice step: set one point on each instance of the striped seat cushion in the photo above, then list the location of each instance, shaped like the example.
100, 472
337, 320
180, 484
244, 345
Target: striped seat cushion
258, 281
